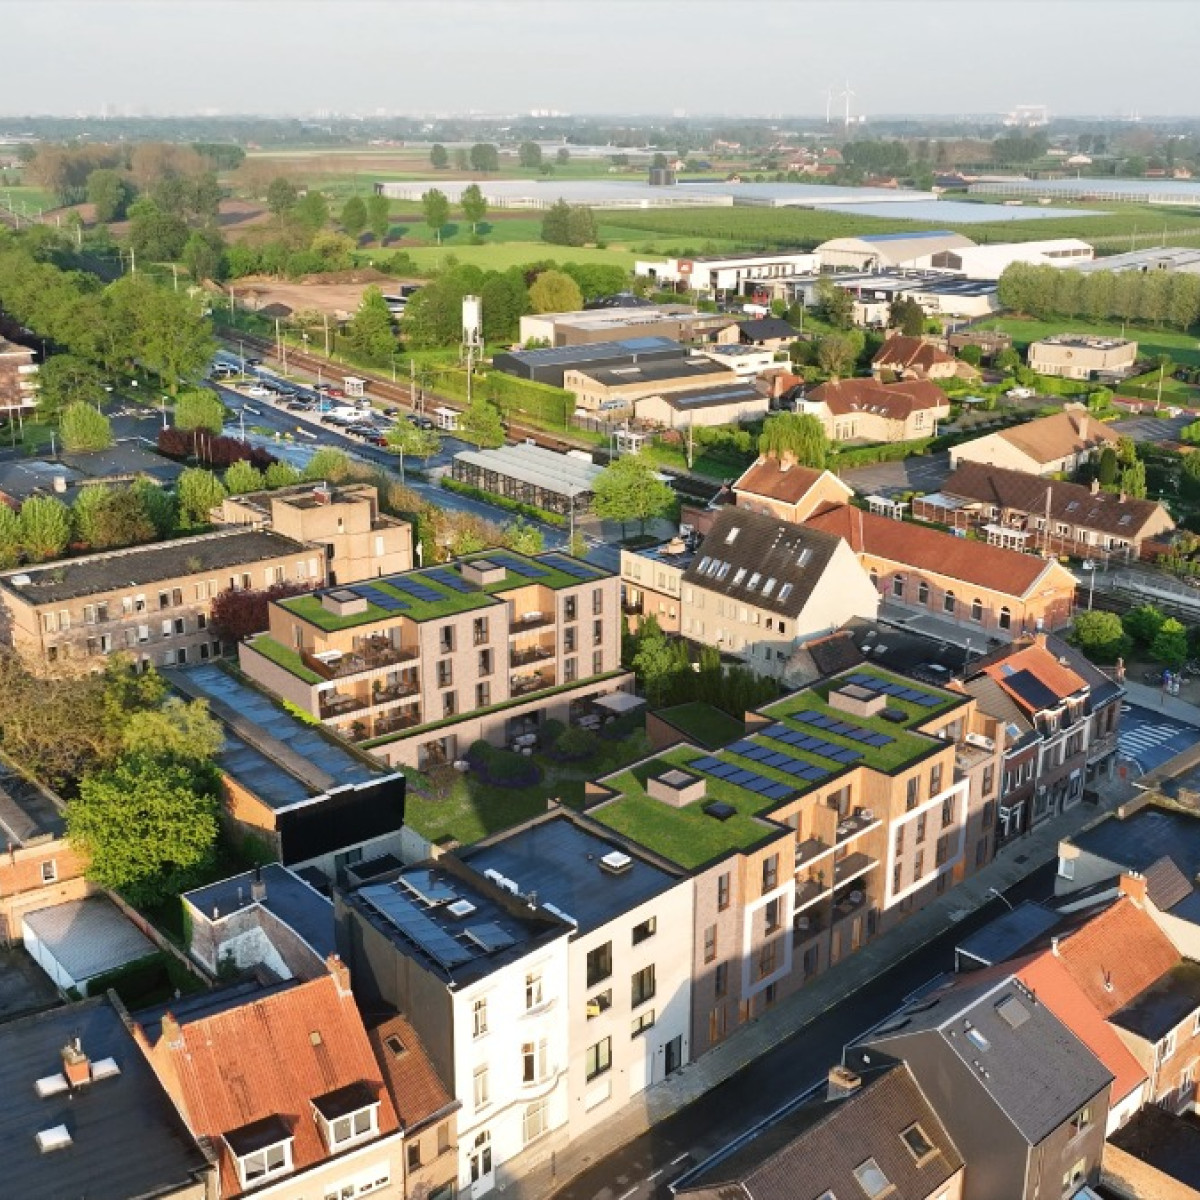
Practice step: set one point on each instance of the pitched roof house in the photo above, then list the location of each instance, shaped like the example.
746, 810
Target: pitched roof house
779, 487
915, 358
876, 1133
1061, 441
869, 411
999, 591
283, 1086
1017, 508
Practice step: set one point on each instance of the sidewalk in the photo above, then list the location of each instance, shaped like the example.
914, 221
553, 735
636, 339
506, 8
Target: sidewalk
750, 1042
1145, 696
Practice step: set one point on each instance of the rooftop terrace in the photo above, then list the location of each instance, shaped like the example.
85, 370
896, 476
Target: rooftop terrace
434, 593
805, 744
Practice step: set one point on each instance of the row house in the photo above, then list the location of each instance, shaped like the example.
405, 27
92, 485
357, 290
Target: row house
151, 602
417, 666
847, 806
999, 592
1072, 707
1049, 516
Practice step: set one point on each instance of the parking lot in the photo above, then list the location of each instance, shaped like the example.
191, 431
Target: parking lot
1151, 429
1149, 739
922, 473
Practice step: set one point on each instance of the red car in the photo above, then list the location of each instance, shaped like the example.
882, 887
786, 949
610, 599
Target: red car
336, 394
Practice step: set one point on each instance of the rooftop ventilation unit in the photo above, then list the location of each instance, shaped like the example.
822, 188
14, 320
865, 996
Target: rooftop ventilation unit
55, 1138
51, 1085
460, 908
616, 863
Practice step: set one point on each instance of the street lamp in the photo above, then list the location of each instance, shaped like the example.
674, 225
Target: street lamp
1000, 896
1090, 568
163, 407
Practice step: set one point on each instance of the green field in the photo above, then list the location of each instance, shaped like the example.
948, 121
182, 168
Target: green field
501, 255
1183, 348
31, 199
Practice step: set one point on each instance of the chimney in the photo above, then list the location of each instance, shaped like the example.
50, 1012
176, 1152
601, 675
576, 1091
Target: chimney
843, 1082
1121, 497
1054, 946
76, 1065
340, 973
258, 887
1095, 488
172, 1034
1081, 424
787, 460
1133, 885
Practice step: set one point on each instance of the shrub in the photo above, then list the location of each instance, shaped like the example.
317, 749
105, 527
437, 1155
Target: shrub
479, 753
551, 731
575, 744
508, 769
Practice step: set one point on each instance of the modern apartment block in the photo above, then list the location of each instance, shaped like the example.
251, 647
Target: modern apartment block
417, 666
482, 976
360, 543
847, 806
153, 602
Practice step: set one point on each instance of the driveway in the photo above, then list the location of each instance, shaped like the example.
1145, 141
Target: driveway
922, 473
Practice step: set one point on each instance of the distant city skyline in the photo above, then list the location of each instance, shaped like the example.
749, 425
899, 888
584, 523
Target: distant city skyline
660, 57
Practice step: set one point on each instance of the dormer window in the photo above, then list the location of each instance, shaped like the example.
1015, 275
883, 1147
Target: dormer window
348, 1115
263, 1150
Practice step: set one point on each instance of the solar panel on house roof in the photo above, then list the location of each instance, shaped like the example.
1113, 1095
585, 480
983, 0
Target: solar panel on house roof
518, 566
380, 599
416, 589
452, 579
1031, 689
572, 566
490, 937
420, 929
426, 886
705, 764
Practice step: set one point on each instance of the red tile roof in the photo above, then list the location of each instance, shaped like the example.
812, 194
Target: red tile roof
776, 480
901, 353
1041, 664
1117, 955
1049, 980
270, 1057
895, 400
415, 1088
1006, 571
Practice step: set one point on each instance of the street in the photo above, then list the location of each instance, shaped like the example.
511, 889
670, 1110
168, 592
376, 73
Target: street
643, 1169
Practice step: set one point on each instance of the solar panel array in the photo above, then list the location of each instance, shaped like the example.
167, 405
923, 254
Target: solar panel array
517, 566
420, 929
424, 885
813, 745
415, 588
572, 567
831, 724
380, 599
452, 579
772, 789
490, 937
770, 757
899, 690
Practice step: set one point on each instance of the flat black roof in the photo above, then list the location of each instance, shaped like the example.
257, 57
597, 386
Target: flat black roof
655, 372
594, 351
142, 566
1140, 840
1167, 1002
559, 860
1009, 933
127, 1139
1167, 1142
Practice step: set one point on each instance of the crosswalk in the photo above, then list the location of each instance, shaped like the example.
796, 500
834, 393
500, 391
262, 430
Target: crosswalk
1140, 742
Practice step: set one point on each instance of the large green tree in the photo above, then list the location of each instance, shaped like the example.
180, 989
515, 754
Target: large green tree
554, 292
328, 465
45, 526
199, 492
204, 255
837, 353
85, 428
629, 489
108, 192
370, 329
835, 305
180, 731
439, 159
242, 478
1170, 645
378, 216
482, 424
1100, 635
65, 379
168, 332
148, 826
199, 409
354, 217
311, 212
281, 196
485, 157
529, 155
474, 205
798, 434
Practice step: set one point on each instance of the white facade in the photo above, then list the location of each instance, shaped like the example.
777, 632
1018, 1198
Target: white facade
746, 362
711, 275
508, 1102
989, 262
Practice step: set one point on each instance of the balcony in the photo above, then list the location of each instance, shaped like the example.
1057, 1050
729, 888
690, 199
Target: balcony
807, 927
333, 664
809, 891
857, 822
522, 685
851, 904
403, 690
527, 622
521, 658
632, 608
810, 849
339, 704
395, 722
851, 867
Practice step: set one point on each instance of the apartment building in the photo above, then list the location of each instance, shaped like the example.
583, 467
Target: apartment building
482, 975
652, 583
417, 666
1074, 708
152, 602
998, 591
40, 867
282, 1084
847, 806
1079, 356
1025, 1100
18, 377
759, 587
1050, 445
629, 962
84, 1114
1048, 516
360, 542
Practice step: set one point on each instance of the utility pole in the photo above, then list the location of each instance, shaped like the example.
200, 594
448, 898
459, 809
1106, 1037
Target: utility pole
132, 260
175, 275
326, 316
412, 384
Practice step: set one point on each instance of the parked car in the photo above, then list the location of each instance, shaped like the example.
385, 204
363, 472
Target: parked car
322, 387
391, 412
422, 422
257, 391
1020, 393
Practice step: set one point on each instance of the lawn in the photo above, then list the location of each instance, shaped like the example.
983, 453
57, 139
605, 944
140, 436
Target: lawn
285, 657
705, 725
499, 256
1183, 348
687, 836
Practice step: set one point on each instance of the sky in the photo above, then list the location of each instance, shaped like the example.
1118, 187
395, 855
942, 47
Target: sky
737, 57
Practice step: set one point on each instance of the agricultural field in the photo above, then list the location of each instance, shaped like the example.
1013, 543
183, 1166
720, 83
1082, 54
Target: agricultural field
502, 255
1120, 228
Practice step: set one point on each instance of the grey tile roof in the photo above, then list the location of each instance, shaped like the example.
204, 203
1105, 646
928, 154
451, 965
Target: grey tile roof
1166, 884
127, 1139
767, 548
1034, 1069
816, 1148
1010, 933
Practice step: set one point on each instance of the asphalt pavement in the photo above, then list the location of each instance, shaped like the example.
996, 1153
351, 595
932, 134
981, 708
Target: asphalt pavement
921, 473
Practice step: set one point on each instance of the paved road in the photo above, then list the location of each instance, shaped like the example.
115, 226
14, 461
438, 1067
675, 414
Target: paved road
643, 1169
1150, 739
1151, 429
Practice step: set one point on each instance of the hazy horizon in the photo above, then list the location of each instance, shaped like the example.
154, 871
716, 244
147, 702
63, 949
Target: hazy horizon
623, 57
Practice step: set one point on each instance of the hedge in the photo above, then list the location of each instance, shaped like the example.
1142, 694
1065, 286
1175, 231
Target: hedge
537, 400
866, 456
529, 511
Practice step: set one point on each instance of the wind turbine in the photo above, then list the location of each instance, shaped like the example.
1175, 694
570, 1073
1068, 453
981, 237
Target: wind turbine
828, 104
847, 96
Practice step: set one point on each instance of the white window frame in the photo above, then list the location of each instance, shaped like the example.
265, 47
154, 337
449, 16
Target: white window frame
337, 1139
268, 1172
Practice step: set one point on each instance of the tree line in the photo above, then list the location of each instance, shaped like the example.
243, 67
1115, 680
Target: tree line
1154, 297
